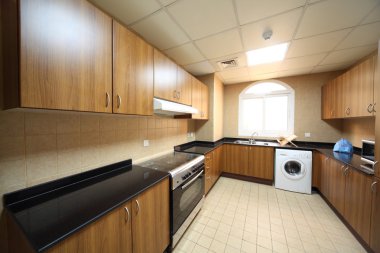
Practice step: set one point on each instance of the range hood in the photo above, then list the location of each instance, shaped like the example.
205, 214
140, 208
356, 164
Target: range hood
171, 108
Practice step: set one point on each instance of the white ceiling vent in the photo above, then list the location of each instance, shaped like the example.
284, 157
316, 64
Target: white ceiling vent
226, 64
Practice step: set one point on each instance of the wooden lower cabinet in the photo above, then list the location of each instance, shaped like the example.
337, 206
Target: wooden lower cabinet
325, 176
316, 177
236, 159
140, 226
375, 215
214, 161
358, 198
337, 184
260, 162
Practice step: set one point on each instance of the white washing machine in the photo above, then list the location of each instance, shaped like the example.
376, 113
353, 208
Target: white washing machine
293, 170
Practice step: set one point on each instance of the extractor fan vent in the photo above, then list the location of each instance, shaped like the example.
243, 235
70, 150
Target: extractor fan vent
231, 63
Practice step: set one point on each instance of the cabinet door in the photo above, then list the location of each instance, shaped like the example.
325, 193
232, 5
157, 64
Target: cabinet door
317, 163
165, 77
325, 176
218, 161
337, 184
209, 171
339, 101
65, 56
205, 93
236, 159
196, 97
358, 201
327, 102
376, 84
260, 162
184, 86
111, 233
133, 73
375, 216
150, 219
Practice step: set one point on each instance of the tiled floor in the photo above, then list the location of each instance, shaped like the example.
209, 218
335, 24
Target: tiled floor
241, 216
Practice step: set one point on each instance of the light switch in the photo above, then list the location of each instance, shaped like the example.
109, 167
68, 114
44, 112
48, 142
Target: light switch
307, 135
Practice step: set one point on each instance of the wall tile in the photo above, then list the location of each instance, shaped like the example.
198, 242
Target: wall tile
132, 123
12, 173
12, 123
151, 123
143, 123
68, 123
38, 123
89, 149
89, 123
12, 148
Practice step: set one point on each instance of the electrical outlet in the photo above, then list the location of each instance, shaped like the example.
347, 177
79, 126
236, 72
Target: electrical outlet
307, 135
191, 134
146, 143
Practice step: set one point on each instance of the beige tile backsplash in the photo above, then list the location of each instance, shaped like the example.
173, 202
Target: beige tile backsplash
39, 146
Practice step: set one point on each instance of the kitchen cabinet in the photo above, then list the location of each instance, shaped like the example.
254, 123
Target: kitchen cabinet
139, 225
62, 58
325, 176
111, 233
352, 93
213, 167
171, 82
375, 215
337, 184
317, 163
260, 162
358, 198
132, 73
200, 99
236, 159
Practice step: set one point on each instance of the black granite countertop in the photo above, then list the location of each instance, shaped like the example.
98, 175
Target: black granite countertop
353, 160
50, 212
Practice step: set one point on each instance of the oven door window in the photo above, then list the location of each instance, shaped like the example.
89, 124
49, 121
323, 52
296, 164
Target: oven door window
185, 199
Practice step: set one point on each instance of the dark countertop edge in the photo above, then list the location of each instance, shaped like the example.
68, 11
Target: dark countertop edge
38, 190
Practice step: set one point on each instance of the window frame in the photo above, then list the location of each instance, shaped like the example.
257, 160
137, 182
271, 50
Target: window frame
289, 92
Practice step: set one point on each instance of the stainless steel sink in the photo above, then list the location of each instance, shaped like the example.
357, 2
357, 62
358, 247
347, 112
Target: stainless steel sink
258, 143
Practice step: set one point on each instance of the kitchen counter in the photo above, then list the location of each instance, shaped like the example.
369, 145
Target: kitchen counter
353, 160
50, 212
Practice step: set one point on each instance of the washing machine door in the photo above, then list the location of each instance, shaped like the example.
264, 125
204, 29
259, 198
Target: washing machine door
293, 169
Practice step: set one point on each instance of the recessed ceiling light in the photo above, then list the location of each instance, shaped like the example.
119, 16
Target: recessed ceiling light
267, 54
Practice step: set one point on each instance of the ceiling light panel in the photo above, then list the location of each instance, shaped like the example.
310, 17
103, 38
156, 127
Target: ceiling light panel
200, 18
160, 30
128, 11
221, 44
327, 16
185, 54
316, 44
249, 11
267, 54
283, 27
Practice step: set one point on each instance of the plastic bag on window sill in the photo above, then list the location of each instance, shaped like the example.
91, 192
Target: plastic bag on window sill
343, 146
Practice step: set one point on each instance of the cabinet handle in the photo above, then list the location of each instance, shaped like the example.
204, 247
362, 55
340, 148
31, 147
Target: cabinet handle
138, 207
174, 94
179, 95
373, 186
341, 168
331, 113
107, 99
127, 216
348, 111
327, 158
374, 108
118, 101
370, 108
346, 171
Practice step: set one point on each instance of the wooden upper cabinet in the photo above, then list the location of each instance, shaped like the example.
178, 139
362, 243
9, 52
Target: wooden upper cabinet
261, 162
358, 202
375, 216
327, 100
184, 83
200, 99
150, 219
365, 89
165, 77
236, 159
65, 56
111, 233
204, 96
132, 73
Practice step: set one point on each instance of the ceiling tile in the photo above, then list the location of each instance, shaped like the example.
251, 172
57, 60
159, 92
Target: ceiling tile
166, 2
200, 68
317, 44
283, 27
234, 73
362, 35
264, 68
161, 31
249, 10
301, 62
373, 16
333, 15
241, 79
330, 67
221, 44
294, 72
348, 56
240, 58
264, 76
185, 54
128, 11
201, 18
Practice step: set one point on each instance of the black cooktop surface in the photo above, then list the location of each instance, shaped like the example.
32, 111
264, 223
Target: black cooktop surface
170, 161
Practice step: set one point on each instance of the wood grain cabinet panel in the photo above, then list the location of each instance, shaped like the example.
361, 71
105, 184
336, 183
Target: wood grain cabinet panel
165, 77
111, 233
261, 162
65, 56
236, 159
184, 84
132, 73
200, 99
325, 176
358, 202
317, 163
375, 216
337, 184
209, 171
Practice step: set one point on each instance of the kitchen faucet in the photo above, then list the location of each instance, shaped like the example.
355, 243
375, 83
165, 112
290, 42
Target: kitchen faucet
252, 140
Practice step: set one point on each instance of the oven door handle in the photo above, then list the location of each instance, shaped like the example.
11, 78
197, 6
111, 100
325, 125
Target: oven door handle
192, 180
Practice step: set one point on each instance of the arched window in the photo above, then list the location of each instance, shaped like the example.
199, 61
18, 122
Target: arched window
267, 108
